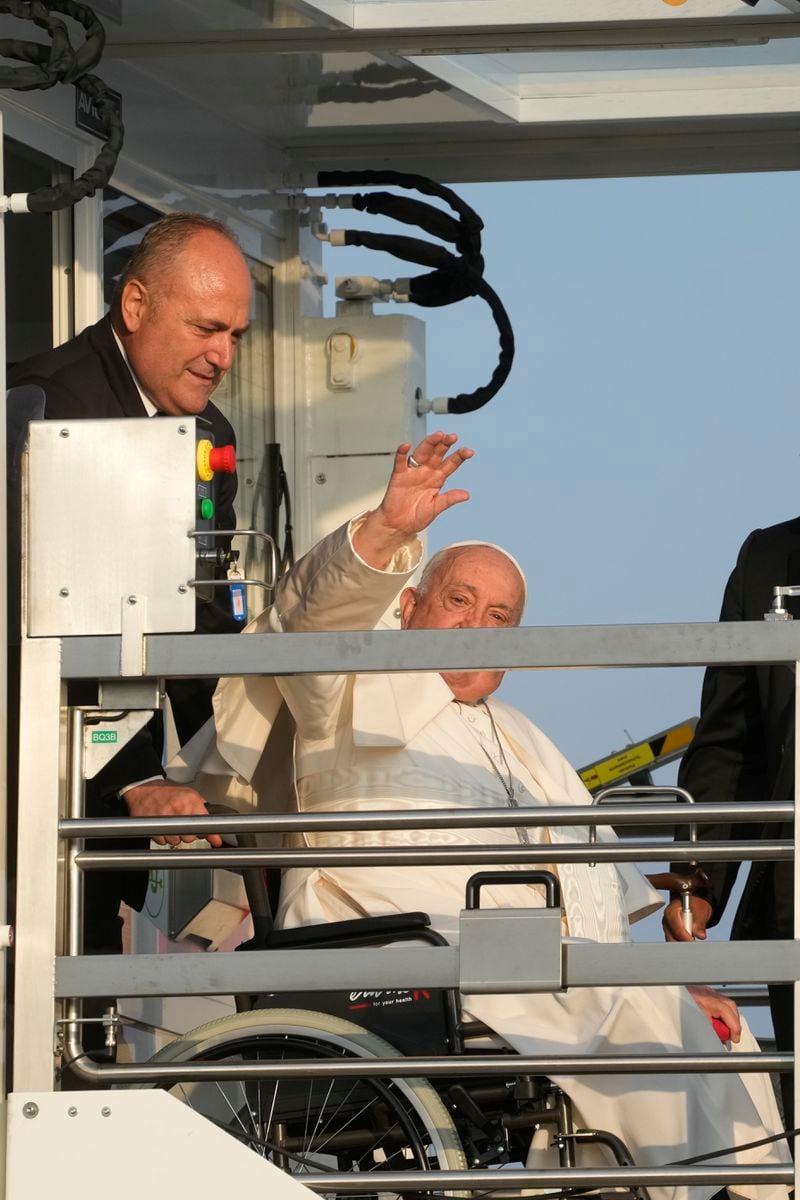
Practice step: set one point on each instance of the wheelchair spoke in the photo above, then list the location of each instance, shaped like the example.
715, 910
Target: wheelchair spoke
308, 1110
232, 1107
320, 1114
306, 1124
331, 1118
365, 1108
376, 1145
272, 1109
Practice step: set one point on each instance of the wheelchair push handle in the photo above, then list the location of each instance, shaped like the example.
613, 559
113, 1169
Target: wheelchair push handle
509, 878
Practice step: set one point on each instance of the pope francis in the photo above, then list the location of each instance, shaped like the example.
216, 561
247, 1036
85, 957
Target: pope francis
426, 740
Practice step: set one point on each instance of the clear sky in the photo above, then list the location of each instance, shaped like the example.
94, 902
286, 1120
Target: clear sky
651, 420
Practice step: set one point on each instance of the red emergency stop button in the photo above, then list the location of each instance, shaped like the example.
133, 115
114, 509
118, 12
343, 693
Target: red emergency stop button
223, 458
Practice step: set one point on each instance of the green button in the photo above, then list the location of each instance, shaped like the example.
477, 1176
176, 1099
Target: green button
206, 509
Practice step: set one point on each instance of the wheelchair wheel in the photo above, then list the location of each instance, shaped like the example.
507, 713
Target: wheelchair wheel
314, 1125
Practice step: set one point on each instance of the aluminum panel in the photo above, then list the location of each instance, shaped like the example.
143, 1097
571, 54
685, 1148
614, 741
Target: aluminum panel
81, 1146
510, 950
110, 506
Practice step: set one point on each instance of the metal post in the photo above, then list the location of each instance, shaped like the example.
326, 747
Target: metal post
74, 876
40, 779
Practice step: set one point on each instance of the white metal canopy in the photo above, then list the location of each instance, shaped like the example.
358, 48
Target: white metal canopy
478, 89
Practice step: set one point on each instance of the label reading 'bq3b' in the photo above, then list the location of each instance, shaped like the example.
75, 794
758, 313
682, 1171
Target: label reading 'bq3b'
104, 735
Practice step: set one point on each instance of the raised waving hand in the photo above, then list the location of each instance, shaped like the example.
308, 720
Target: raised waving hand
414, 497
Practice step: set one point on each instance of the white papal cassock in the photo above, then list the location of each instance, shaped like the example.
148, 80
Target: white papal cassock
402, 741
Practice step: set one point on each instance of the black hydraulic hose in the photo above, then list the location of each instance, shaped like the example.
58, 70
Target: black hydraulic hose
451, 280
456, 278
60, 62
439, 287
417, 183
50, 199
453, 277
463, 280
415, 212
466, 402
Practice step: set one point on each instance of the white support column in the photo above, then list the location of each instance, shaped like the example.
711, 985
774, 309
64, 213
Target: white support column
36, 931
88, 251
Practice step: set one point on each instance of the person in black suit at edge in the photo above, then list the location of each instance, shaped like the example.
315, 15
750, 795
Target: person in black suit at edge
743, 749
180, 311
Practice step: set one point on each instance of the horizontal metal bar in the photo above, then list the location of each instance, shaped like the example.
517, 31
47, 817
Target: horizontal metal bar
530, 647
239, 581
231, 974
491, 38
636, 813
432, 856
745, 995
656, 963
572, 1177
474, 1066
321, 970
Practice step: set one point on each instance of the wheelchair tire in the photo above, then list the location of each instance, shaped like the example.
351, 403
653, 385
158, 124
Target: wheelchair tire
309, 1125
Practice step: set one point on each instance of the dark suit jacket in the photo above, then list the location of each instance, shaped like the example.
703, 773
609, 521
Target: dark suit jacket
88, 377
743, 748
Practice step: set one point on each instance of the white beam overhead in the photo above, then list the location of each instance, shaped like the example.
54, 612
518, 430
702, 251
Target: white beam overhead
637, 60
533, 88
627, 86
476, 14
438, 27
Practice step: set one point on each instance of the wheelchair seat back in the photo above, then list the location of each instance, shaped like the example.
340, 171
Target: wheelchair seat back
412, 1020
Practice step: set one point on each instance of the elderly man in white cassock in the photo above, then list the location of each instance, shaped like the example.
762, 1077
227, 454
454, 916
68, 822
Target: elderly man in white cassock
425, 740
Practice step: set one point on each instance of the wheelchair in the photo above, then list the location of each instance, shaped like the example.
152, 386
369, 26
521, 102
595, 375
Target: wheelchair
352, 1122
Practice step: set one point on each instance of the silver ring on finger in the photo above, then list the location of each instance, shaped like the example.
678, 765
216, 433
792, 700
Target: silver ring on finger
412, 462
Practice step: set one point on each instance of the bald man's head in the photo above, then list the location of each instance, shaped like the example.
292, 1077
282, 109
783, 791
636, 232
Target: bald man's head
467, 587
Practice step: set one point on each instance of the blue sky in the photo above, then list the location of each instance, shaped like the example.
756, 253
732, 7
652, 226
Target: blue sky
651, 420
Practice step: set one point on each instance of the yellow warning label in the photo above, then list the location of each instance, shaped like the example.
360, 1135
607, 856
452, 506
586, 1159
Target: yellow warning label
627, 762
661, 748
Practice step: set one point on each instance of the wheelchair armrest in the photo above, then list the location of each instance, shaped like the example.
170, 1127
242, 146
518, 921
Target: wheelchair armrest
364, 930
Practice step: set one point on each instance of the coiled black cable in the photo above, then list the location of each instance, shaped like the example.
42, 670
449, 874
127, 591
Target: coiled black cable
454, 277
61, 62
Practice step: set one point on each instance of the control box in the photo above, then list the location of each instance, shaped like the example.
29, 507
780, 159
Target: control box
112, 509
211, 462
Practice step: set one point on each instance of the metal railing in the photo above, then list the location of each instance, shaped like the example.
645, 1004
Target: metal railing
78, 975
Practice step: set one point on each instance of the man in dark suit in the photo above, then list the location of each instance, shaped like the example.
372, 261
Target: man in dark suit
743, 749
180, 312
